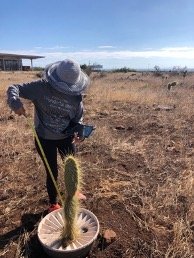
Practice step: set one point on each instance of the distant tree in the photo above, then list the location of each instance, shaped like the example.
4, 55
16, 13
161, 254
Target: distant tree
123, 70
157, 70
184, 71
176, 70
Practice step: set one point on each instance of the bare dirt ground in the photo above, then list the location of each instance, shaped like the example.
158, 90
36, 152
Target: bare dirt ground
138, 168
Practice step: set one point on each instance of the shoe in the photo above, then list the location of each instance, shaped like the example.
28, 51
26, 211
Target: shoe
80, 196
53, 207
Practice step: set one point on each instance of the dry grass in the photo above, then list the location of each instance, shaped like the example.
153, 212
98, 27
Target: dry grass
138, 168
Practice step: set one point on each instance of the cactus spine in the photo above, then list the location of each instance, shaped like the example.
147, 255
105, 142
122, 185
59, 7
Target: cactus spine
72, 176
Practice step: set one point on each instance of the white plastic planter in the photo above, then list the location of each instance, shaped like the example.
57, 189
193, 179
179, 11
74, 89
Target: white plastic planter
49, 234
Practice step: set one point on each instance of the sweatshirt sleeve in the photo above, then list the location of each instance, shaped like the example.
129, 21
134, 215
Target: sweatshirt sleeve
29, 91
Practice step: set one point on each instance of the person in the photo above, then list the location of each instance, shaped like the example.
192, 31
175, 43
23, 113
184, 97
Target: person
57, 99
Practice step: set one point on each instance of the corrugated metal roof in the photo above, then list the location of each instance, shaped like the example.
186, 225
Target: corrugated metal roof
16, 56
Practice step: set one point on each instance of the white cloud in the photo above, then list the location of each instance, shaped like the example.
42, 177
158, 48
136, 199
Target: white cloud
106, 47
177, 48
52, 48
167, 52
166, 55
186, 53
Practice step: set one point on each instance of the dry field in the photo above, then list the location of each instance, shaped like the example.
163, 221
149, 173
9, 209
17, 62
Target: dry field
138, 168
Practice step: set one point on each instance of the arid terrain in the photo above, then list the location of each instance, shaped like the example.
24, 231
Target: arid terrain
138, 167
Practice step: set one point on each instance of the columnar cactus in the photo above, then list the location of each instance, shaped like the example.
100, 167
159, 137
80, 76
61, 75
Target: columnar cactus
72, 176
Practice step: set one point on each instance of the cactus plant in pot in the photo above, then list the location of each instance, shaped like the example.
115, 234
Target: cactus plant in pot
71, 230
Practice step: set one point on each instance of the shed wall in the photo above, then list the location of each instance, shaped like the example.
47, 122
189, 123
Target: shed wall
10, 65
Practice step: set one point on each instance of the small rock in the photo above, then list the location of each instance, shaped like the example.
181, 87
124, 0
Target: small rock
109, 235
165, 108
106, 238
7, 210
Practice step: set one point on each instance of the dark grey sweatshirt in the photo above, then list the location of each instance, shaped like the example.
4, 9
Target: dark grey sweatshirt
53, 110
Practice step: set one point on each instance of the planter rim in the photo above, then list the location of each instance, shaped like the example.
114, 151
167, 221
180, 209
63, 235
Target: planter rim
70, 250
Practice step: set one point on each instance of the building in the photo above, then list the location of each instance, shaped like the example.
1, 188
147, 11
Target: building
96, 67
13, 62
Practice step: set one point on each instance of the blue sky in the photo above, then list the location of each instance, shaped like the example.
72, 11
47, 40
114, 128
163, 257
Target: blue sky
114, 33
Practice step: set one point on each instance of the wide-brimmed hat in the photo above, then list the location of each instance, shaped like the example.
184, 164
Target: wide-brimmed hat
67, 77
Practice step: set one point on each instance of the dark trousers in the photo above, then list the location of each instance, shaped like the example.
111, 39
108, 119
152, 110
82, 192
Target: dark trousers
51, 148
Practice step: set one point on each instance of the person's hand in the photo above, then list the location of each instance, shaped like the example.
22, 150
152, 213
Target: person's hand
77, 139
20, 111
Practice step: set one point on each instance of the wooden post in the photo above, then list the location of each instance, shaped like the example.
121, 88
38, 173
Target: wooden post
31, 64
20, 64
3, 64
